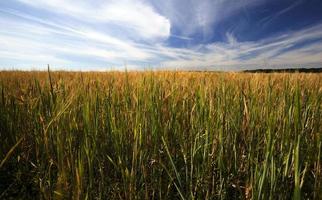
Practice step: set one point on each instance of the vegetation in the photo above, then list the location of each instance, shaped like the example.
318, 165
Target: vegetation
160, 135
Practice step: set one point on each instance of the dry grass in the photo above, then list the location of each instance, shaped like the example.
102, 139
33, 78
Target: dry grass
164, 135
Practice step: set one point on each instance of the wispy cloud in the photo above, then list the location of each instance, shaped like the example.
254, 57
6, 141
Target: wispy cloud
134, 15
203, 15
97, 35
28, 34
291, 48
64, 41
274, 16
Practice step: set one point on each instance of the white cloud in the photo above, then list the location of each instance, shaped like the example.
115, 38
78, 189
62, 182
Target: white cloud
53, 39
132, 14
292, 48
39, 37
83, 34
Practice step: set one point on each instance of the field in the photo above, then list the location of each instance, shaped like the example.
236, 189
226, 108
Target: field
160, 135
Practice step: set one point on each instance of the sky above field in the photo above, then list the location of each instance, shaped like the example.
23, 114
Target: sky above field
160, 34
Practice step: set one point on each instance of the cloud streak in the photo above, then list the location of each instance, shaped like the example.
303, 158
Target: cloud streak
103, 35
133, 15
204, 15
289, 49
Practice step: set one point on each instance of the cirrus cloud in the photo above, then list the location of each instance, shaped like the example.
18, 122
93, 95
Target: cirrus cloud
142, 34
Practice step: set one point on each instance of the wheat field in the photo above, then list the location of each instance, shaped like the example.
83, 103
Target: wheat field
160, 135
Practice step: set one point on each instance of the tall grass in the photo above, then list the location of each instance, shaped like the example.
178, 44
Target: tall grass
164, 135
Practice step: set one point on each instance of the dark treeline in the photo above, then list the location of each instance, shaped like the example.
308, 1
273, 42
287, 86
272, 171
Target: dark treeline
288, 70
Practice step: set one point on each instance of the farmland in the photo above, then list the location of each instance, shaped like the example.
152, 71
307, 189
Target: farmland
160, 135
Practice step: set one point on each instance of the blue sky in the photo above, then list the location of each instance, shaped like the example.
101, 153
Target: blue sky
160, 34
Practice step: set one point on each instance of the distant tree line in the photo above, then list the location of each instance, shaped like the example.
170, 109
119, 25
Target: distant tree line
288, 70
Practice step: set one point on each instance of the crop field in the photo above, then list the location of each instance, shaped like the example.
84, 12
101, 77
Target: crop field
160, 135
